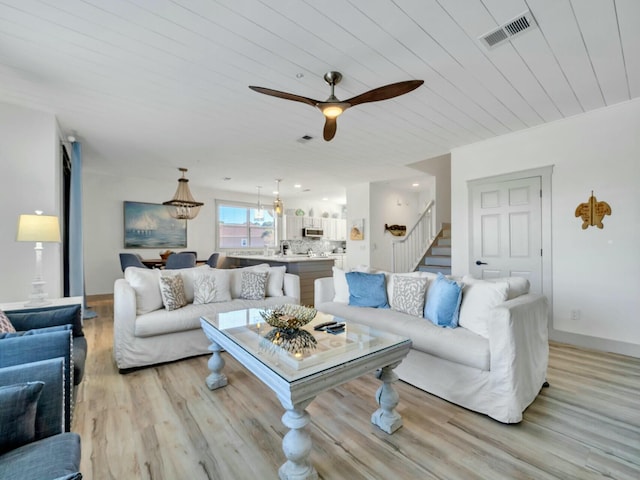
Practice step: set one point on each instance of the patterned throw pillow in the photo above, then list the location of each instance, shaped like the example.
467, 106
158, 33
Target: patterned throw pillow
253, 285
5, 324
204, 289
172, 290
409, 294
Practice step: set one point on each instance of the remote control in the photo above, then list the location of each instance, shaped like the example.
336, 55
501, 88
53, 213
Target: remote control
323, 326
337, 328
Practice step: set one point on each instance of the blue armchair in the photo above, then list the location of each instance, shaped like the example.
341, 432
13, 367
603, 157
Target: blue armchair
33, 441
51, 316
180, 260
48, 332
43, 344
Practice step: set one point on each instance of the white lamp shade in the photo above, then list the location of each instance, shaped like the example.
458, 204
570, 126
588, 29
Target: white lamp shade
38, 228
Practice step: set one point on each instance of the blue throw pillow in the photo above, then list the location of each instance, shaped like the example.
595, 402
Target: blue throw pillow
18, 405
443, 302
367, 289
36, 331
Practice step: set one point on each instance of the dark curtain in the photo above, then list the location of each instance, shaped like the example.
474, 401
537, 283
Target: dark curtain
66, 197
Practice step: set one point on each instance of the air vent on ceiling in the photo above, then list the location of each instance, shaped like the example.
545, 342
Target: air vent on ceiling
509, 30
305, 138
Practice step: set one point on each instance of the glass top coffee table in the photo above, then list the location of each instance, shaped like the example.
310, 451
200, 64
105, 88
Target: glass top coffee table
298, 376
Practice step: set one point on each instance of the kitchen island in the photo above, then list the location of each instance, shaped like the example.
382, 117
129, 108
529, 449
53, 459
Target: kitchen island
307, 268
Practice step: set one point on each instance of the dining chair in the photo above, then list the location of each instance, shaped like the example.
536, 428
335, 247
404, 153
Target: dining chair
131, 260
180, 260
212, 261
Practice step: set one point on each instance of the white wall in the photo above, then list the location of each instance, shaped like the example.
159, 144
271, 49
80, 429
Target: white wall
390, 206
594, 271
315, 206
30, 159
440, 168
103, 222
358, 251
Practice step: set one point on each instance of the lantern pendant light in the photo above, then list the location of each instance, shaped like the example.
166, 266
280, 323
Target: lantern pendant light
278, 205
259, 215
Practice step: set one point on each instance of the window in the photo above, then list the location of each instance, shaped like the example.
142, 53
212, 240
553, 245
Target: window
239, 228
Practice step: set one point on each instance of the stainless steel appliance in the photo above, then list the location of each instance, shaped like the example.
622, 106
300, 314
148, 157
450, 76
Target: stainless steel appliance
312, 232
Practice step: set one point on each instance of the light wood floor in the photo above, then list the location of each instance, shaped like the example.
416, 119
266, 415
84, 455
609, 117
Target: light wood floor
163, 423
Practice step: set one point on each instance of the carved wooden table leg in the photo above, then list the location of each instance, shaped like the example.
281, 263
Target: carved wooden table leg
296, 444
216, 378
386, 418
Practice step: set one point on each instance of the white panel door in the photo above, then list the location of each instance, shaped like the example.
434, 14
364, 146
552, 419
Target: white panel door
506, 231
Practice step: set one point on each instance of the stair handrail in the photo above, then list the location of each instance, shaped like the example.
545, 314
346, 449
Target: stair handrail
406, 252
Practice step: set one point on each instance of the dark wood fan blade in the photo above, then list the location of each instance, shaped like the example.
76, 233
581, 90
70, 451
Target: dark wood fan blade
330, 127
285, 95
385, 92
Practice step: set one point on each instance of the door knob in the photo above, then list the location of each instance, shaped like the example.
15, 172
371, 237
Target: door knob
478, 262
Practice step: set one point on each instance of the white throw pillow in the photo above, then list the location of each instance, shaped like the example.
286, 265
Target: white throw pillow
188, 276
517, 285
409, 294
145, 283
275, 281
211, 286
340, 286
479, 297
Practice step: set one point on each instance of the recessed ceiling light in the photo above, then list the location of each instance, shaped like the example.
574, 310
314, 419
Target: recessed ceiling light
415, 184
299, 75
324, 199
297, 185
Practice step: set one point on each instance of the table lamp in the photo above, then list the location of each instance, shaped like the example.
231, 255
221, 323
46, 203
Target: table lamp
38, 228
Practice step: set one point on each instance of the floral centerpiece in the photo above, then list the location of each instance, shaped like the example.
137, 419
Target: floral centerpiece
286, 334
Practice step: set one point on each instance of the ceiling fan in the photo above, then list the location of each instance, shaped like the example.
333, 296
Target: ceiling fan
332, 107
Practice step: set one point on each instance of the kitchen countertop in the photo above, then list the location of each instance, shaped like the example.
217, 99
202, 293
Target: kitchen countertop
286, 258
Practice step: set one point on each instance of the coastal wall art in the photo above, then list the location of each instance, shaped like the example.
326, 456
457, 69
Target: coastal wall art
357, 229
149, 225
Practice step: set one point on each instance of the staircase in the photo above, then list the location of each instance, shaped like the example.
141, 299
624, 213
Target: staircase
438, 257
407, 252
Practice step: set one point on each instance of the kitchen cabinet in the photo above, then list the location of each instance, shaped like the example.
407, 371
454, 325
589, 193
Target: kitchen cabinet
341, 229
293, 226
334, 228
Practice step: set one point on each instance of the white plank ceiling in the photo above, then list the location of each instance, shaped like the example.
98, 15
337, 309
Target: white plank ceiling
152, 85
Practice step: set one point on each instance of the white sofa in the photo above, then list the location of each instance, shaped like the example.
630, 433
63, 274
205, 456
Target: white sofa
146, 333
498, 374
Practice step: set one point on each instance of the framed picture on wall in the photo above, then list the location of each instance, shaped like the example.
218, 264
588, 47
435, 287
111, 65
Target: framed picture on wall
149, 225
357, 229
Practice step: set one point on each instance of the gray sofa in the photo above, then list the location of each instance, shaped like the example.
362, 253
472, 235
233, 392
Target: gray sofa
146, 333
499, 374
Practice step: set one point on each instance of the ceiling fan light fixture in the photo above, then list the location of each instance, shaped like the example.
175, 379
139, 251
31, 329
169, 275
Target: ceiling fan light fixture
332, 107
331, 110
183, 206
